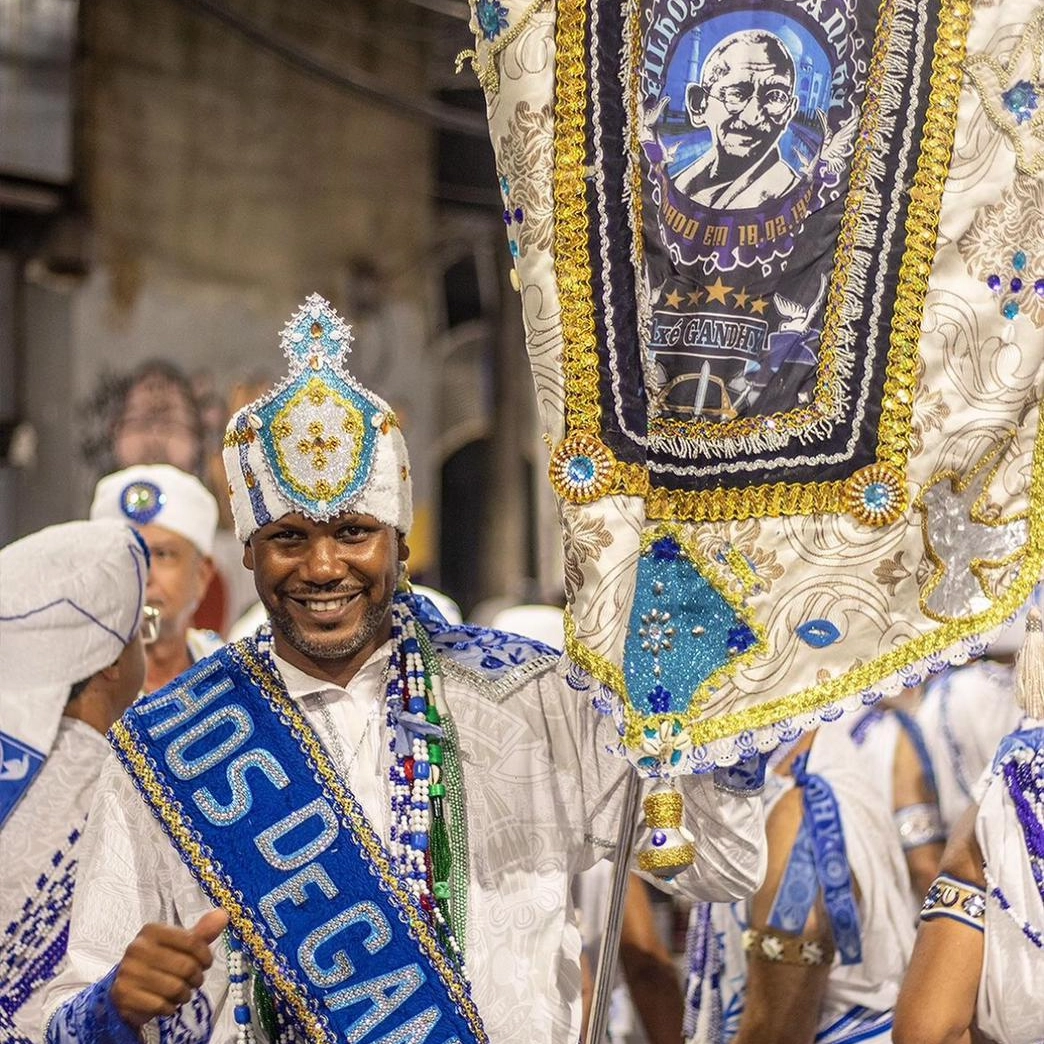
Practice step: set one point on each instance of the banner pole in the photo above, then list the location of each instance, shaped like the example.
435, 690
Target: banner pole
605, 974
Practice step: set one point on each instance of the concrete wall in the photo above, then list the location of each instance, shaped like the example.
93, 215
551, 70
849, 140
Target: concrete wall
222, 185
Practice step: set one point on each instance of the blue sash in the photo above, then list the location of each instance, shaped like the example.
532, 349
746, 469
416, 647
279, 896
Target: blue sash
819, 863
244, 790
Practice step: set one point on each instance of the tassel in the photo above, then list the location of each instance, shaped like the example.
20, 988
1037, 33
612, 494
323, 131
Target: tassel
670, 849
1029, 668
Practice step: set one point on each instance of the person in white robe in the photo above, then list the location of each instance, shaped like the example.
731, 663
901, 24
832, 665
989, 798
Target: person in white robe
539, 798
753, 981
975, 969
896, 755
71, 661
178, 517
964, 714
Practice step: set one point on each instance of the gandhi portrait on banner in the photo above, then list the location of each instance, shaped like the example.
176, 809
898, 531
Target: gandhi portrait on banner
745, 98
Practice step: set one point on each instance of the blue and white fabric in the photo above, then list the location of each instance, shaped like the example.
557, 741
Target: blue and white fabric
542, 804
859, 996
1010, 831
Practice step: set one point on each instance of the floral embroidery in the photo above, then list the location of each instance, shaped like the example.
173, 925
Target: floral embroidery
584, 538
744, 537
891, 573
526, 155
929, 413
1004, 248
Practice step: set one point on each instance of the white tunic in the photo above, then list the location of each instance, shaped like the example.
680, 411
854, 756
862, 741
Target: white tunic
859, 997
542, 802
964, 714
1010, 1008
38, 870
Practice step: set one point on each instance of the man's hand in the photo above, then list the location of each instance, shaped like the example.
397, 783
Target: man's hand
162, 966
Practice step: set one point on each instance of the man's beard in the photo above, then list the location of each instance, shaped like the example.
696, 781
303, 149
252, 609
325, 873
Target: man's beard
371, 623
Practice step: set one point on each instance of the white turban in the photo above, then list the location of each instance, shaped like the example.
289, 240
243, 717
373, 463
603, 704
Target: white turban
71, 598
318, 443
163, 495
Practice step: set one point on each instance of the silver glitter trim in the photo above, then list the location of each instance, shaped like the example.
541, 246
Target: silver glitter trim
265, 841
458, 832
499, 690
342, 967
242, 797
294, 889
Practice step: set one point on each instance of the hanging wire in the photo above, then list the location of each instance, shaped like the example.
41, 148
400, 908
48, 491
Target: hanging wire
445, 117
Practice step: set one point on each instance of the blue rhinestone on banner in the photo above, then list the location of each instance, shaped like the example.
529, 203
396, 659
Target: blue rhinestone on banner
492, 18
818, 633
581, 469
682, 630
141, 502
1021, 101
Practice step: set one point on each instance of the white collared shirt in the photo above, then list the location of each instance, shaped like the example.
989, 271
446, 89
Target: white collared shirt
356, 714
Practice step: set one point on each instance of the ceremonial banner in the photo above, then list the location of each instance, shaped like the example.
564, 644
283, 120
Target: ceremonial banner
782, 276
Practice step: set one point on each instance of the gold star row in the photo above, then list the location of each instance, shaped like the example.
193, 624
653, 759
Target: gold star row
719, 292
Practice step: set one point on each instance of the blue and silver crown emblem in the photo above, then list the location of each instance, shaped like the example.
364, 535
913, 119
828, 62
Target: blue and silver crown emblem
319, 430
142, 501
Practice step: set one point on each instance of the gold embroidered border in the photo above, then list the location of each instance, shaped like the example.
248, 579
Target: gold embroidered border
572, 260
191, 849
217, 883
869, 674
573, 275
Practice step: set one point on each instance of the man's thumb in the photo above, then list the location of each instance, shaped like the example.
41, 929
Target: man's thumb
210, 926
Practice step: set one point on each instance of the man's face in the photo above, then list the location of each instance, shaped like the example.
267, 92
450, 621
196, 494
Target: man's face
327, 587
178, 579
749, 106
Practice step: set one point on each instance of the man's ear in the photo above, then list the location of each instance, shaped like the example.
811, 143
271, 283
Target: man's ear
206, 574
111, 672
696, 103
248, 556
404, 549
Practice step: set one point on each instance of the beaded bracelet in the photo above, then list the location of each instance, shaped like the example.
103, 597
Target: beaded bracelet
786, 949
959, 900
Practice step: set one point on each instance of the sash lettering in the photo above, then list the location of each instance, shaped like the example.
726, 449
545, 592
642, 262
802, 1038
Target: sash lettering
305, 880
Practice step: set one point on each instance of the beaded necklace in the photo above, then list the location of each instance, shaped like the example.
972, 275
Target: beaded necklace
419, 843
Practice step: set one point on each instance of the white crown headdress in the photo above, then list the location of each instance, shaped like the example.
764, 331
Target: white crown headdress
318, 443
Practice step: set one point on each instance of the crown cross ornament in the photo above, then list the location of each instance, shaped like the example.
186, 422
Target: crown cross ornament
318, 445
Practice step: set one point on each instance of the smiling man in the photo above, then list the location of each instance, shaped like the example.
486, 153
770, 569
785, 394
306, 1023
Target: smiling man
386, 811
177, 516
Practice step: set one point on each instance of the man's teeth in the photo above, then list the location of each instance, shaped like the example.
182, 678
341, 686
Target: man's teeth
327, 607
